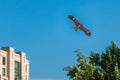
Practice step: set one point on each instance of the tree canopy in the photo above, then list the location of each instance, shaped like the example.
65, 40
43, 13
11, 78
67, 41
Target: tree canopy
98, 66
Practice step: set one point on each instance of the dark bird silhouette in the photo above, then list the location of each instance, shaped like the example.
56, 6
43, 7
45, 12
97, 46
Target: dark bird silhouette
79, 25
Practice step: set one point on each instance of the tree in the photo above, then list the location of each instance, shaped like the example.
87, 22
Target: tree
105, 66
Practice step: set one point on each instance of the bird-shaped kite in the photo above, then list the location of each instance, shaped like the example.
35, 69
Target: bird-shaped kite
79, 25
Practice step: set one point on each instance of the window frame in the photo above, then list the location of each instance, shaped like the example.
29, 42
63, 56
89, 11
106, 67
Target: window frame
3, 72
3, 60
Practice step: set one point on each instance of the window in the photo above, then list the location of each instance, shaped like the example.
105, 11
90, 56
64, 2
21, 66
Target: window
17, 69
3, 71
3, 60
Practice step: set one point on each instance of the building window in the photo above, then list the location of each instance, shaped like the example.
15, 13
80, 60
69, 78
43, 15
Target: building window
3, 71
17, 69
3, 60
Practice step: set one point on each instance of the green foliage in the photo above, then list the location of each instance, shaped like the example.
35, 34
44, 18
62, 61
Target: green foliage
97, 67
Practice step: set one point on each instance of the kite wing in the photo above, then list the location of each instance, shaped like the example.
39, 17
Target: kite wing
77, 23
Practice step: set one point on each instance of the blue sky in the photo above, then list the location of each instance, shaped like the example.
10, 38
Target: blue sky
43, 31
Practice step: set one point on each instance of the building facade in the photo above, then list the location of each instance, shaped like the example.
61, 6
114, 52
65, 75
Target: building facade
13, 65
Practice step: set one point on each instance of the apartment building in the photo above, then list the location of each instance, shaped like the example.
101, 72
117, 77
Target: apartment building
13, 65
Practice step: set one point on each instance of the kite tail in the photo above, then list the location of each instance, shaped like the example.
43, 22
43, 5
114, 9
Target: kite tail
75, 28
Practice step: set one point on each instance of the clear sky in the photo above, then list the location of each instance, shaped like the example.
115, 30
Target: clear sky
43, 31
